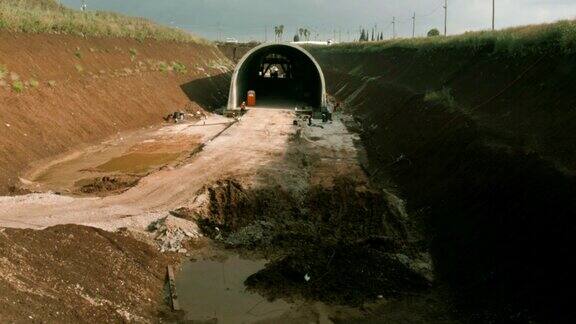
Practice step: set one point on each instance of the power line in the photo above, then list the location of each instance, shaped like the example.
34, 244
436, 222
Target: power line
431, 12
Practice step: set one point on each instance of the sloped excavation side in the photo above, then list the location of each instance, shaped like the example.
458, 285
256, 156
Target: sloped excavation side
480, 144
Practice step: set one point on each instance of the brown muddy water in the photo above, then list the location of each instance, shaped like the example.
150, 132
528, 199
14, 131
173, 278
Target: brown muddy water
213, 291
137, 162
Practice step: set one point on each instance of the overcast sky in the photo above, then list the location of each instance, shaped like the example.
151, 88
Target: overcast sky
247, 19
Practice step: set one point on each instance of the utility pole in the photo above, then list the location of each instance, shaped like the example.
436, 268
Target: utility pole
414, 25
393, 27
219, 31
445, 17
493, 13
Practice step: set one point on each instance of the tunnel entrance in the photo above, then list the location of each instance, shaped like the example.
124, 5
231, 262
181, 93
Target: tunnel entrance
282, 75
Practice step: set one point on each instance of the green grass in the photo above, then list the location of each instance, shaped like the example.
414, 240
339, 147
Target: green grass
3, 71
18, 86
442, 96
163, 67
559, 37
47, 16
179, 67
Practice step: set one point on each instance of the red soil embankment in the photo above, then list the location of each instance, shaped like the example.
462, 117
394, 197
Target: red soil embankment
58, 92
487, 164
235, 52
75, 274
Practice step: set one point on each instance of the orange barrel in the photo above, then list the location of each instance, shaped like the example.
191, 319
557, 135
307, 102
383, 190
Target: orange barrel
251, 102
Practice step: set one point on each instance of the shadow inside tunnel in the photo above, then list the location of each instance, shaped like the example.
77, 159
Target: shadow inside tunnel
270, 101
209, 93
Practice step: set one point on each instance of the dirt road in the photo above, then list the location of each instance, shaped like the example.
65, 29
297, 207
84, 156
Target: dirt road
264, 148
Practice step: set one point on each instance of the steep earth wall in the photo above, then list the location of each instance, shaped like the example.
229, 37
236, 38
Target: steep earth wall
235, 52
487, 164
58, 92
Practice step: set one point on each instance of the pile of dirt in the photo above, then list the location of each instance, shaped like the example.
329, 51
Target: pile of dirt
108, 185
340, 245
59, 92
74, 274
480, 146
17, 191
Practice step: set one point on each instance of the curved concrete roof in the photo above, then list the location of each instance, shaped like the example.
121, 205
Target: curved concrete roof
233, 96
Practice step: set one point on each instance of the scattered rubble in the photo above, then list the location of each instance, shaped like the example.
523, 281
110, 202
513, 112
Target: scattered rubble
171, 234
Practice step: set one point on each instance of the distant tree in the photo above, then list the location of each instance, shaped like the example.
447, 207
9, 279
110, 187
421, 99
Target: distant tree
304, 34
373, 34
296, 38
279, 31
381, 36
363, 35
433, 32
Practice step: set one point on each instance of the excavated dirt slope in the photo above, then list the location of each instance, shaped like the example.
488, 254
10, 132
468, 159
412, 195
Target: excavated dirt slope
235, 52
74, 274
487, 164
58, 92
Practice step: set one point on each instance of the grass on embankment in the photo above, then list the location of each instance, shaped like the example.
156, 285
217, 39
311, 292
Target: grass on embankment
517, 41
48, 16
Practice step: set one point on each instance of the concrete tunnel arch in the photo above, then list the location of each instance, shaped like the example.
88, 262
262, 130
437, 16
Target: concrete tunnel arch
306, 85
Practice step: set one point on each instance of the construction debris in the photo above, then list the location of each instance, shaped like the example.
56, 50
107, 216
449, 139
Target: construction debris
171, 234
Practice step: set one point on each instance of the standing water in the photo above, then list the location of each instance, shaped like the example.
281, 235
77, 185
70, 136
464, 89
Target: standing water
213, 291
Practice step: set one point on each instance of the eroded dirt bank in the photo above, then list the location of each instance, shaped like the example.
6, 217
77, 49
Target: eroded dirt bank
58, 92
78, 274
481, 146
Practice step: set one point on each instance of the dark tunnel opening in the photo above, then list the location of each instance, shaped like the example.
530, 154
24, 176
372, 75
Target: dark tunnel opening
281, 76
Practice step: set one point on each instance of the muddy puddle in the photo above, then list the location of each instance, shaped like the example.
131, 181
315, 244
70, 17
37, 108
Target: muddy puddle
213, 291
137, 162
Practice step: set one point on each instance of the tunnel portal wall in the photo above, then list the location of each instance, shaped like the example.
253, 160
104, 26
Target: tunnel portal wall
309, 69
